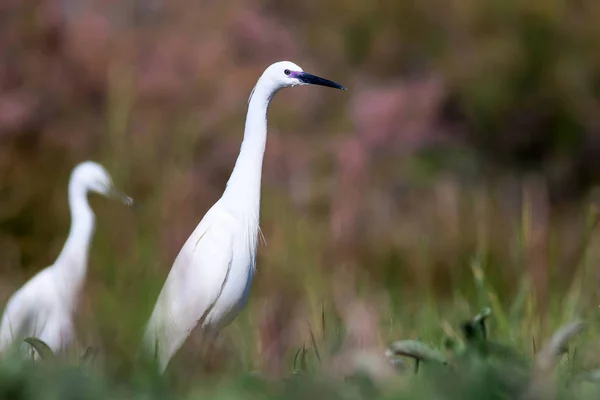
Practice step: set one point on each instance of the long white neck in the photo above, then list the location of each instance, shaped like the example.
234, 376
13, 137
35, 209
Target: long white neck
71, 264
242, 193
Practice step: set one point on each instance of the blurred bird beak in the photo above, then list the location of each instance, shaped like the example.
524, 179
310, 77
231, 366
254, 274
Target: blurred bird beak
122, 197
315, 80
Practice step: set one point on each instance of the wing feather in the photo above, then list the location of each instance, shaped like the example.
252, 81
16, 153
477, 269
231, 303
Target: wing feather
193, 285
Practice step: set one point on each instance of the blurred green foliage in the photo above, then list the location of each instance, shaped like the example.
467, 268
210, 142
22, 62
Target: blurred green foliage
477, 369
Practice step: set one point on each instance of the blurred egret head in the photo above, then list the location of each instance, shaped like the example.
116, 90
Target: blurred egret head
93, 177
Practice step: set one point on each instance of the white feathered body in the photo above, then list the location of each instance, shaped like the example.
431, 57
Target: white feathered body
210, 279
209, 282
44, 306
39, 309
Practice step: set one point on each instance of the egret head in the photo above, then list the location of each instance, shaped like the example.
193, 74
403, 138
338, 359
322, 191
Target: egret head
285, 74
93, 177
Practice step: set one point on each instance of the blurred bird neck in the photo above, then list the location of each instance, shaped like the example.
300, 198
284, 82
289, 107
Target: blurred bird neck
242, 192
72, 260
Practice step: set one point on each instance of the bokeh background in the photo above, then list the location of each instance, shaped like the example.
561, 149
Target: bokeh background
463, 156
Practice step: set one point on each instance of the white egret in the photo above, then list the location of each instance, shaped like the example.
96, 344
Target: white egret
210, 279
44, 306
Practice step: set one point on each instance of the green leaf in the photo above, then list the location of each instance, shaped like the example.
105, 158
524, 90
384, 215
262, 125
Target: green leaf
42, 348
558, 344
415, 349
89, 355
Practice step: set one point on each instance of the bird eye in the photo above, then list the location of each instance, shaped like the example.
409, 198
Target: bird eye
287, 72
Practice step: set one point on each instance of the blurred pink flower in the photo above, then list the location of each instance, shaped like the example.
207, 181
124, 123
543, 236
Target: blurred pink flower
400, 115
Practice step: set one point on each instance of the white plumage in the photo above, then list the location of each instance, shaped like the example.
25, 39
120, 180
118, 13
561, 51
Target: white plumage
44, 306
210, 279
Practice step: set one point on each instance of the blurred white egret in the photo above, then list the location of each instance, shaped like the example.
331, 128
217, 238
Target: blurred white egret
44, 306
210, 279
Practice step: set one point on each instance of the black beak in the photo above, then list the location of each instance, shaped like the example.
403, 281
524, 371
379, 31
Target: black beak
122, 197
315, 80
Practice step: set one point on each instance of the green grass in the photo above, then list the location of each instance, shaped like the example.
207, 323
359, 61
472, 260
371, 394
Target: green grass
312, 332
472, 366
